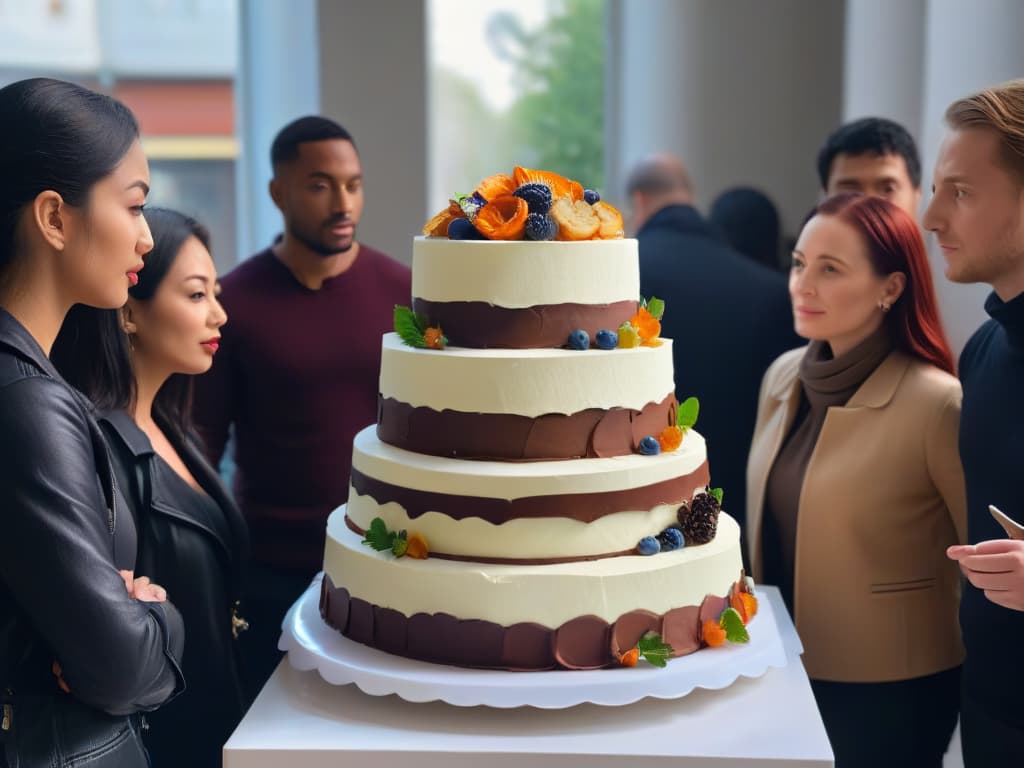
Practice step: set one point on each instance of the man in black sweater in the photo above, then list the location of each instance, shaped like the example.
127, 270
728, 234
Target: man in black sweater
728, 316
977, 214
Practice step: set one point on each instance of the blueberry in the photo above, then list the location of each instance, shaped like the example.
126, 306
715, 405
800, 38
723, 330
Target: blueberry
579, 339
591, 196
649, 446
606, 339
537, 195
648, 545
671, 538
463, 229
540, 226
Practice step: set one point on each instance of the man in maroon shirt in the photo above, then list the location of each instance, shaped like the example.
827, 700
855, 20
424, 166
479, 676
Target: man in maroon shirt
297, 371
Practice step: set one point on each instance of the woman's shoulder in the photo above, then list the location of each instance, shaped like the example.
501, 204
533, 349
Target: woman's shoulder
927, 380
41, 402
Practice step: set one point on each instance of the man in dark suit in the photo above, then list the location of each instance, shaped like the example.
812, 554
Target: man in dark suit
729, 317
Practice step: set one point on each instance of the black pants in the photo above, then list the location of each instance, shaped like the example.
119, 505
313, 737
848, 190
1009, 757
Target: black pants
988, 741
270, 592
907, 723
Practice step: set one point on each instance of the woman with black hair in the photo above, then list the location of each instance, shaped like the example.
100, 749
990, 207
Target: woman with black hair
84, 643
192, 538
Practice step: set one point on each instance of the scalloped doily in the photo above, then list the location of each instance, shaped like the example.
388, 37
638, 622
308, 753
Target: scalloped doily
312, 644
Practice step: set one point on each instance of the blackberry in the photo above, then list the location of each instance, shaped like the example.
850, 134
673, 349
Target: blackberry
537, 195
540, 226
701, 525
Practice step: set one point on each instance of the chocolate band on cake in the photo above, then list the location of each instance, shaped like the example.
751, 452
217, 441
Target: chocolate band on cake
592, 433
584, 507
479, 325
586, 642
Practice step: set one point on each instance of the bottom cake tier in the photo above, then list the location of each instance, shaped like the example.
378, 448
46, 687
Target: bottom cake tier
578, 615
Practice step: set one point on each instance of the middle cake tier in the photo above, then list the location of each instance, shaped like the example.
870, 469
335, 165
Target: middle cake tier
523, 512
523, 404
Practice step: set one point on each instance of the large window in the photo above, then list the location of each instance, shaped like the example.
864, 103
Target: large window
515, 82
173, 62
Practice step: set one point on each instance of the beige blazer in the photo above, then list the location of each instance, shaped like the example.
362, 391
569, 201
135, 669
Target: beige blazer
875, 597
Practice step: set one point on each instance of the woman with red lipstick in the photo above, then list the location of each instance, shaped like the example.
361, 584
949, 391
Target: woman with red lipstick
856, 489
192, 538
84, 645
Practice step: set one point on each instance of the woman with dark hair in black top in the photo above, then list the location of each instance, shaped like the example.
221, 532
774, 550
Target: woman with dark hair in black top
84, 644
192, 538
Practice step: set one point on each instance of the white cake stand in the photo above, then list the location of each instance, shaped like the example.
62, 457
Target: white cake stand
312, 644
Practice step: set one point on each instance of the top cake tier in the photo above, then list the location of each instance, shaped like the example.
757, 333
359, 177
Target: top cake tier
524, 294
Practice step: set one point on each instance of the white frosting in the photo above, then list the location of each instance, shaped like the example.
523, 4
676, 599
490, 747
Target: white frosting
542, 537
528, 382
514, 480
546, 594
525, 273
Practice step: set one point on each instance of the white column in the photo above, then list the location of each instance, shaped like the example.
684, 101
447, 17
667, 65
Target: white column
968, 45
373, 81
744, 92
278, 81
883, 61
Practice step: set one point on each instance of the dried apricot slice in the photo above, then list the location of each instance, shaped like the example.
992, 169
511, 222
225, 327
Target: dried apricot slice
418, 549
713, 633
496, 186
630, 657
611, 221
576, 220
560, 186
504, 218
438, 226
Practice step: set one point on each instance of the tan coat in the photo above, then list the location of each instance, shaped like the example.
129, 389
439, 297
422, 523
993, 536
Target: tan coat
875, 598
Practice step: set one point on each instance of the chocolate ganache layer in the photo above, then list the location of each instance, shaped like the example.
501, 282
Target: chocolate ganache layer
591, 433
479, 325
584, 507
586, 642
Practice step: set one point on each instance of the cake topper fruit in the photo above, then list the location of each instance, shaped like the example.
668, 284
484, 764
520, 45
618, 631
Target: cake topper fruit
651, 648
671, 437
554, 207
700, 524
398, 543
413, 330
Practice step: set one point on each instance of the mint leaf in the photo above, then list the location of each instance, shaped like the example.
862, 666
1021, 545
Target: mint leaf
654, 650
732, 623
686, 416
378, 536
410, 326
717, 493
656, 307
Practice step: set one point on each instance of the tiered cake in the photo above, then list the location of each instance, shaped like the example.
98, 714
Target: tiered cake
516, 461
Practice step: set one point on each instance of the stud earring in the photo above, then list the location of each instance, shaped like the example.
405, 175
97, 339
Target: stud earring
885, 306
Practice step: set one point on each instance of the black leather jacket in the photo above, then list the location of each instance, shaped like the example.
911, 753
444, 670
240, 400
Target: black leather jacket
64, 534
199, 556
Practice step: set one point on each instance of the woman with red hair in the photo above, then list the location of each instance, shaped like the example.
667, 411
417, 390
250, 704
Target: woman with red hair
856, 489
